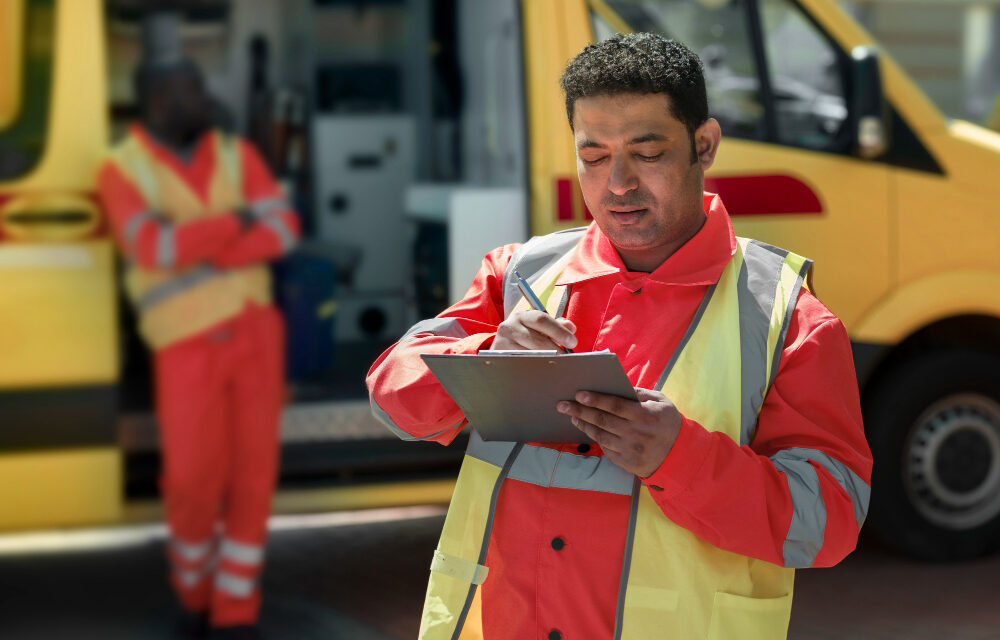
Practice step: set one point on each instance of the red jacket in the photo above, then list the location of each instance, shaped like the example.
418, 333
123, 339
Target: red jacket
729, 495
216, 239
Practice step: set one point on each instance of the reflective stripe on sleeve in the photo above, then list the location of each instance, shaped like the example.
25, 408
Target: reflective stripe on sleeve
235, 585
382, 416
264, 206
458, 568
548, 467
447, 327
166, 246
247, 554
285, 235
806, 530
133, 227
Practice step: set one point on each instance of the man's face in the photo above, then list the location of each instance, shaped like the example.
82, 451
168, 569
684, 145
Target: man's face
635, 165
185, 104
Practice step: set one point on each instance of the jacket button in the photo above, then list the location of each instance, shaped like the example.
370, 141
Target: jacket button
558, 543
583, 448
555, 635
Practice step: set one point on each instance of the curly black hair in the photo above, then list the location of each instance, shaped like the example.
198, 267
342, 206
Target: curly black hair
639, 63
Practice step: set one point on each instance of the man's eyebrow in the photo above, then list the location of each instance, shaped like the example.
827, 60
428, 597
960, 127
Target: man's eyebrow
587, 143
649, 137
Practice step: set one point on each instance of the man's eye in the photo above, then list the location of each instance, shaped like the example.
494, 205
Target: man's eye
594, 161
649, 158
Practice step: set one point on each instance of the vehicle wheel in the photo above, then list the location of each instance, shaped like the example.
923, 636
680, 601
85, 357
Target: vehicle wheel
934, 428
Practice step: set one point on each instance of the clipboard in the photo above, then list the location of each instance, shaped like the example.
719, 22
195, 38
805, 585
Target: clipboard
512, 395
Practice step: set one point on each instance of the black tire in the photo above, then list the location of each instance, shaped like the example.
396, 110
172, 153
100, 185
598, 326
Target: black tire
933, 424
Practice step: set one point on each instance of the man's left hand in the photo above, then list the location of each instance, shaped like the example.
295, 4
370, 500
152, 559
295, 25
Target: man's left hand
637, 436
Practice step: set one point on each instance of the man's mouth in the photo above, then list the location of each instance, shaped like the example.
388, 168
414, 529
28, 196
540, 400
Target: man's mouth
626, 216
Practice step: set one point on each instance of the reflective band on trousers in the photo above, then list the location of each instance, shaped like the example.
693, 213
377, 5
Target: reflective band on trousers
191, 551
235, 585
246, 554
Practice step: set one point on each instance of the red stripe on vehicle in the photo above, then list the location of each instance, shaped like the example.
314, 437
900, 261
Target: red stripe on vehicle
764, 195
564, 199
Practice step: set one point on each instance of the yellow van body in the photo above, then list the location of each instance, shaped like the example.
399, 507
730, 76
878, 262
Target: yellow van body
58, 319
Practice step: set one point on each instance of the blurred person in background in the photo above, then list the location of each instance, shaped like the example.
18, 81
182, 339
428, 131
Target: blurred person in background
197, 216
744, 456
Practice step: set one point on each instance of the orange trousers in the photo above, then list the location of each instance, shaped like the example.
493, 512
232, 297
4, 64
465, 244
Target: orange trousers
219, 396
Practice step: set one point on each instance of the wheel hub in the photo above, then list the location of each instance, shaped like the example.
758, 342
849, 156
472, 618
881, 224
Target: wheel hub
952, 462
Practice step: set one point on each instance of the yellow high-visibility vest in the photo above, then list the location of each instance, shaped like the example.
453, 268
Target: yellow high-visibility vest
674, 585
172, 303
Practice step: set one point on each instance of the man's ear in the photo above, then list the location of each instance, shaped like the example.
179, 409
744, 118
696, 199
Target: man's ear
706, 142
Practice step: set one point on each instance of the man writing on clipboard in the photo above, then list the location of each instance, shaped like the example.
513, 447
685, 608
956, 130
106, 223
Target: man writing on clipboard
744, 456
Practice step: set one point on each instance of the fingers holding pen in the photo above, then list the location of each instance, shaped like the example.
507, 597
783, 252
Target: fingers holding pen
534, 330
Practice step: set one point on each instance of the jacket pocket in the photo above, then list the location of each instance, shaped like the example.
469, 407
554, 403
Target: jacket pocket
736, 616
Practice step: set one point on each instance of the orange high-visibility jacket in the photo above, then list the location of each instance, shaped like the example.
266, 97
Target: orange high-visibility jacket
703, 545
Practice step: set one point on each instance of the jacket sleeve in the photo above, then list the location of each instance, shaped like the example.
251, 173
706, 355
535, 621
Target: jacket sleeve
404, 394
276, 231
149, 240
798, 494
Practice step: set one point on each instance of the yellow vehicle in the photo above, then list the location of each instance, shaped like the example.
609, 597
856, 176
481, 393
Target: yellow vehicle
829, 150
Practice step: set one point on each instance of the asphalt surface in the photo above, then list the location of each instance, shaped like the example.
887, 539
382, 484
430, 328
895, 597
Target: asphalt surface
365, 581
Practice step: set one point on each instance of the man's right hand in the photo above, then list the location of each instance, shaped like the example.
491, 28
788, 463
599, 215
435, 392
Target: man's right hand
534, 330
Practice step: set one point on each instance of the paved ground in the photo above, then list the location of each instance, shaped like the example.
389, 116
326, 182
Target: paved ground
365, 581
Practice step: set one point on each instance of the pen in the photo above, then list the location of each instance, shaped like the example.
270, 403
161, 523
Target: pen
532, 299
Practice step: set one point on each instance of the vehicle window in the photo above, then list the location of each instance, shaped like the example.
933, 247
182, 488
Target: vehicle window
717, 31
24, 100
808, 87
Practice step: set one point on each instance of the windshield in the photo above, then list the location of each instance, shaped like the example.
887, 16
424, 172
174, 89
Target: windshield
950, 48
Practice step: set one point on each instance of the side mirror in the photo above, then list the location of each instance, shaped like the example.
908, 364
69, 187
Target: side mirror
868, 109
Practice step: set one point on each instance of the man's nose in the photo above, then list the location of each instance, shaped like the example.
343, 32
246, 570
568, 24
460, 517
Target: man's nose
622, 179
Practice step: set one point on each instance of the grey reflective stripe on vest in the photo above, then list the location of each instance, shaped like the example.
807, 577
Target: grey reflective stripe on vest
504, 470
169, 288
547, 467
242, 553
166, 246
235, 585
133, 227
780, 344
633, 517
285, 236
757, 285
806, 530
533, 258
